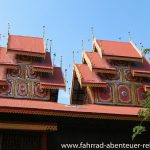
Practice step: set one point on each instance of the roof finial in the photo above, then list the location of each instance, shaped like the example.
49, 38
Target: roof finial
54, 55
47, 44
73, 57
82, 45
65, 75
120, 38
50, 48
92, 30
69, 90
8, 29
61, 61
43, 31
129, 34
142, 49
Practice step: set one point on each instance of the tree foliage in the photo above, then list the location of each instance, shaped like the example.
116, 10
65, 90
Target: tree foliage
144, 113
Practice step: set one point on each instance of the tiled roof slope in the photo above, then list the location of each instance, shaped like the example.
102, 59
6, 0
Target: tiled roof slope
97, 63
55, 80
7, 58
118, 49
26, 44
86, 77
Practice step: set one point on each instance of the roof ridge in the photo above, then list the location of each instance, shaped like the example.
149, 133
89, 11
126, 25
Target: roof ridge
26, 36
113, 41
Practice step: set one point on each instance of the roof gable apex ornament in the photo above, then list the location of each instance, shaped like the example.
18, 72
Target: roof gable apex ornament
54, 55
73, 57
43, 33
61, 61
8, 29
50, 46
129, 35
47, 40
93, 36
65, 76
82, 46
97, 47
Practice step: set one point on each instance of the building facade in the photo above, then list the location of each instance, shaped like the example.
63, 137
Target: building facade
107, 92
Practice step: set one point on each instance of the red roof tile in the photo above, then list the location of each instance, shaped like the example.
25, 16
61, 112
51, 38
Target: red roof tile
56, 107
121, 49
88, 77
55, 80
7, 58
26, 44
98, 62
45, 65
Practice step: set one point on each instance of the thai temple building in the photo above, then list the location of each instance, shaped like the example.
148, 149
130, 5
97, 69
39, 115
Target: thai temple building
113, 73
108, 90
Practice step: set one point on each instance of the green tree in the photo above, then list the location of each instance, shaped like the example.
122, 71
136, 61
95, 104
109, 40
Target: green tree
145, 112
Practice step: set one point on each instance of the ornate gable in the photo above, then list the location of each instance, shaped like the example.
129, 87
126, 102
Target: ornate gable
116, 64
25, 73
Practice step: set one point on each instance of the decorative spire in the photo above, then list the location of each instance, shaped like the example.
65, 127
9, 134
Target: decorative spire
82, 46
54, 55
66, 75
50, 47
61, 61
92, 30
120, 38
8, 29
47, 44
129, 34
43, 31
141, 46
142, 49
73, 57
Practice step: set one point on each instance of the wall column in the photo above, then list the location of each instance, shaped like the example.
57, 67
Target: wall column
44, 141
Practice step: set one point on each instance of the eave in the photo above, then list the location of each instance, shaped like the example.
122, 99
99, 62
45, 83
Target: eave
91, 111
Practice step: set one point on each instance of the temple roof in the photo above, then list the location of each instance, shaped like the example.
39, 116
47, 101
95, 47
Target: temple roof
45, 65
10, 105
6, 58
19, 50
26, 44
87, 77
118, 49
55, 80
97, 63
141, 69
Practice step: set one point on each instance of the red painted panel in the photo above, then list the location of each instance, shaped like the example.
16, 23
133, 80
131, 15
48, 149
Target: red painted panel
124, 93
141, 94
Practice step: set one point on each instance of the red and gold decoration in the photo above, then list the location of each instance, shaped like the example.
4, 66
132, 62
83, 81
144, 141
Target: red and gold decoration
141, 94
129, 76
40, 92
24, 83
31, 74
124, 94
22, 88
5, 90
104, 94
